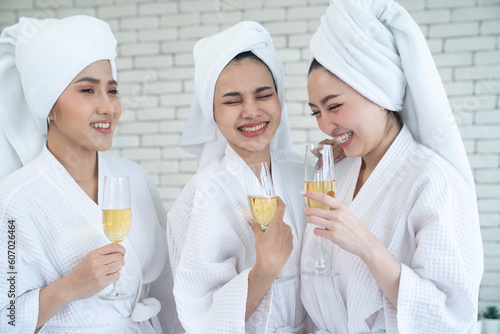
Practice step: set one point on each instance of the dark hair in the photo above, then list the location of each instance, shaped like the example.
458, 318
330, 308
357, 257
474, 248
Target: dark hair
397, 116
316, 65
251, 56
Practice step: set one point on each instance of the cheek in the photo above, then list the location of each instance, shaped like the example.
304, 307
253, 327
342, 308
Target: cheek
118, 111
224, 120
322, 124
276, 112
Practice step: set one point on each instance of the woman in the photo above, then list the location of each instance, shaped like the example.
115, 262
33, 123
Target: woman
403, 228
225, 270
60, 80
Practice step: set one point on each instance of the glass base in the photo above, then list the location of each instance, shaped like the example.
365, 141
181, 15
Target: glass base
115, 296
283, 278
320, 272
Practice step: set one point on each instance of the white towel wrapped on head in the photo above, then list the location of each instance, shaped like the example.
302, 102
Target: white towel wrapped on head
201, 135
38, 60
378, 49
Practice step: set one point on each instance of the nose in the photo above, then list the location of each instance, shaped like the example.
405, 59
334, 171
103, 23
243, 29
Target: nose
327, 123
105, 105
251, 109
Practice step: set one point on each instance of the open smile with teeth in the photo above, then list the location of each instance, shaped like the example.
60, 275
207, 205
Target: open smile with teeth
254, 128
100, 125
344, 137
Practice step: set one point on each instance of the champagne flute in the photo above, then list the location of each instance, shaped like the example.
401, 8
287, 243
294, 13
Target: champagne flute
261, 196
319, 177
262, 200
116, 221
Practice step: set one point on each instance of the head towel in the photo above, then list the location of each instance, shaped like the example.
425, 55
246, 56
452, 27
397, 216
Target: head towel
201, 136
378, 49
38, 60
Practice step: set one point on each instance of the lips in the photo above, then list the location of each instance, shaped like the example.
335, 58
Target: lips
344, 137
252, 128
100, 125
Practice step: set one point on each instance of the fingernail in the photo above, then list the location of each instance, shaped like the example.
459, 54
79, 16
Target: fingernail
303, 193
250, 222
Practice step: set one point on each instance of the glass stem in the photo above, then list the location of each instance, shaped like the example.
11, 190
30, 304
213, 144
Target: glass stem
117, 287
320, 261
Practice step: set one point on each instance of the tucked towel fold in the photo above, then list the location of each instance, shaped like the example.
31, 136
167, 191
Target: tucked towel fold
201, 136
379, 50
38, 60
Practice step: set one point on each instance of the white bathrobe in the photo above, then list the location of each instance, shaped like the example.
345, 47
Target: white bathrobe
424, 212
57, 224
212, 250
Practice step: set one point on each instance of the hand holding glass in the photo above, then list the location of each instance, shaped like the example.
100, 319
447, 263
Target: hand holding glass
261, 196
116, 221
319, 177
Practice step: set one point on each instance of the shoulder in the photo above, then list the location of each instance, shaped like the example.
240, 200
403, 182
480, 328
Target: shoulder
205, 182
433, 167
19, 182
430, 176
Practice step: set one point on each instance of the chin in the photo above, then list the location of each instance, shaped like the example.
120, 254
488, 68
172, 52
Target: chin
103, 146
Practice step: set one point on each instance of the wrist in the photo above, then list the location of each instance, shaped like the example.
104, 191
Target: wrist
63, 291
264, 272
372, 251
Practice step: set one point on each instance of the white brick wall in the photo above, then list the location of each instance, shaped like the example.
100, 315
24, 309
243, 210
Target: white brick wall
156, 80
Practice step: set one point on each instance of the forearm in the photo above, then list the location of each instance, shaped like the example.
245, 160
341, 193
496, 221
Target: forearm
259, 282
53, 298
385, 269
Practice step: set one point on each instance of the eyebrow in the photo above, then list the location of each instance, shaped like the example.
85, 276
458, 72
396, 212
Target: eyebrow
95, 81
325, 99
261, 89
231, 94
258, 90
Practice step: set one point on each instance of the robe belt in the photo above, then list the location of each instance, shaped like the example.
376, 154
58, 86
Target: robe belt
124, 323
290, 329
146, 309
143, 311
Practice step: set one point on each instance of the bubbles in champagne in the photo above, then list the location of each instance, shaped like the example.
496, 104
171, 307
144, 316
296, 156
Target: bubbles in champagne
325, 187
262, 209
116, 224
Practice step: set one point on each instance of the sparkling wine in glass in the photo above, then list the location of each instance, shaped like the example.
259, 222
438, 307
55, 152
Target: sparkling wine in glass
319, 177
116, 221
261, 196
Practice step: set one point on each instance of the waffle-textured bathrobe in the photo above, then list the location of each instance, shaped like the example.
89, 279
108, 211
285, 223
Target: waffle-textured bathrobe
424, 212
212, 250
57, 224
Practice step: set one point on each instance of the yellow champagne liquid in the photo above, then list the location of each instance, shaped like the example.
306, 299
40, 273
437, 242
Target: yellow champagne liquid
262, 209
116, 224
325, 187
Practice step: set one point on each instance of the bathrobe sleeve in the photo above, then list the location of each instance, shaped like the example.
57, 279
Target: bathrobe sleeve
211, 279
438, 289
20, 288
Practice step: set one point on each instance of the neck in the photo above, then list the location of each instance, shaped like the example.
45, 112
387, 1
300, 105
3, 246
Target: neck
80, 163
371, 160
251, 158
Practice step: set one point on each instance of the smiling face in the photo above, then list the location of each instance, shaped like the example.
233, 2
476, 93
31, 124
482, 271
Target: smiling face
361, 127
85, 115
246, 107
